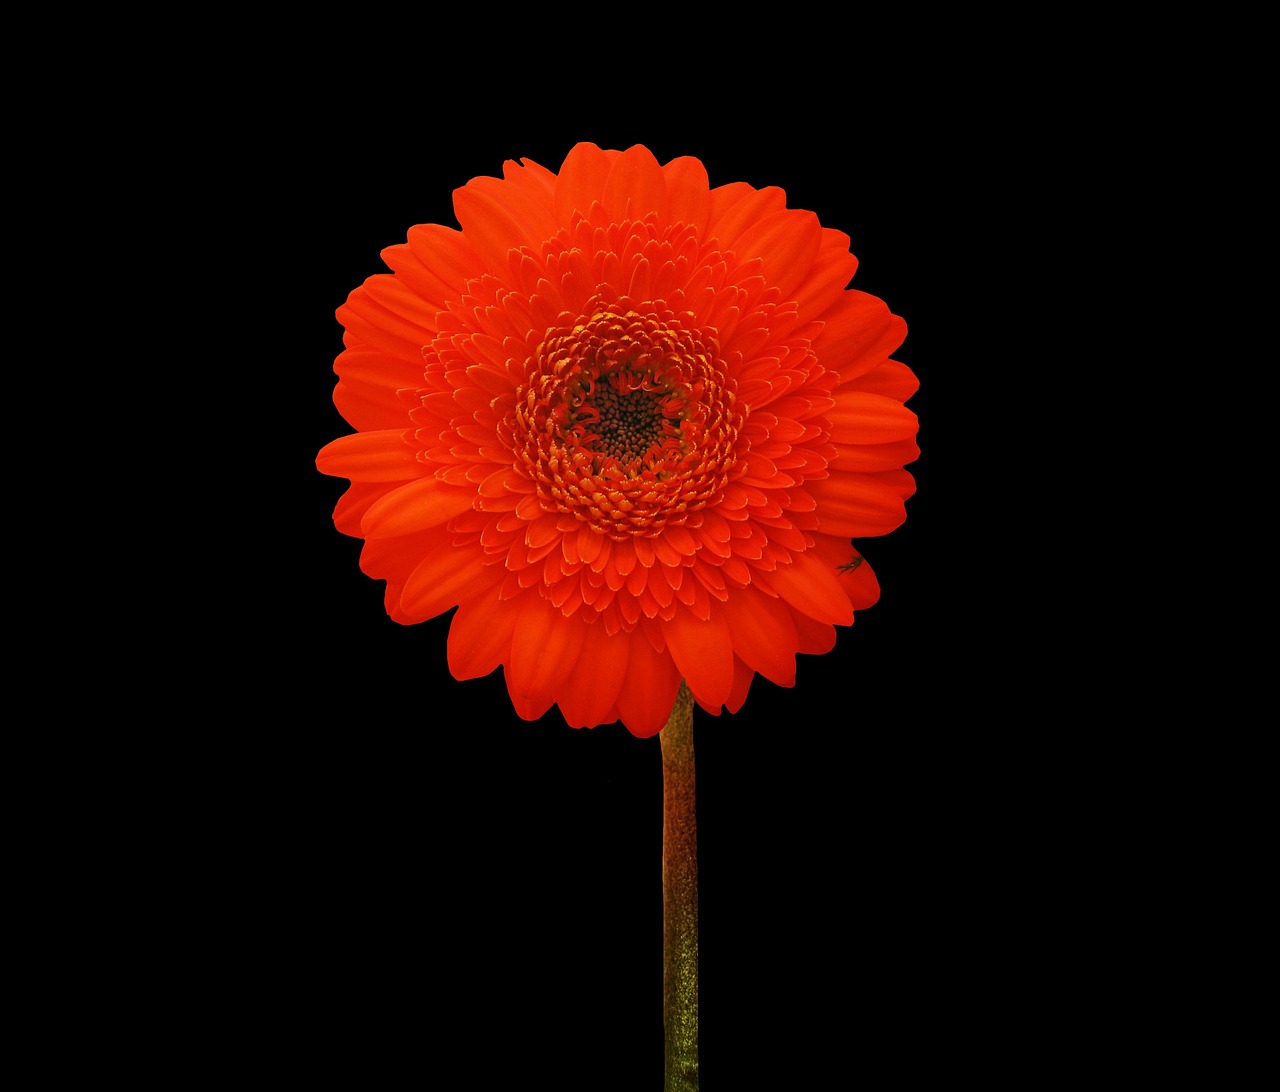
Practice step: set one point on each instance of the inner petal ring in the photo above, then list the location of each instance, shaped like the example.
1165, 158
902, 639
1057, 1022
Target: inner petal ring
627, 419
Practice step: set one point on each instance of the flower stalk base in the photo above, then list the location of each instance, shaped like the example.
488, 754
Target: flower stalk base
679, 900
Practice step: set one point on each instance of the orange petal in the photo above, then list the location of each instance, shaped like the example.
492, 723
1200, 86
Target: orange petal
859, 334
742, 677
393, 559
591, 698
369, 322
636, 187
527, 707
857, 505
832, 271
416, 317
703, 653
441, 579
786, 242
545, 655
424, 282
688, 190
648, 689
353, 504
737, 206
891, 380
449, 256
816, 638
580, 181
492, 225
480, 635
623, 556
861, 585
764, 636
531, 209
380, 456
416, 506
533, 178
368, 382
869, 458
862, 418
810, 585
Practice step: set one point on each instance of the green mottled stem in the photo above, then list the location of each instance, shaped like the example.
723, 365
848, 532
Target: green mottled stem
679, 900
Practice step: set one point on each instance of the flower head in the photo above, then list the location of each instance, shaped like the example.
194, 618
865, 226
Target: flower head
627, 424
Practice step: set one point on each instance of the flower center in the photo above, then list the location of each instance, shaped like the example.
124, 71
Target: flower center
626, 419
630, 421
622, 416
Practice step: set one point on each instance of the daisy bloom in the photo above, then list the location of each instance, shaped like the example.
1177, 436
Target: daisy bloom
628, 425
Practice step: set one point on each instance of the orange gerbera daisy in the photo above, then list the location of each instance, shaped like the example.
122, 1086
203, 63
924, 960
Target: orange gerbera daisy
627, 425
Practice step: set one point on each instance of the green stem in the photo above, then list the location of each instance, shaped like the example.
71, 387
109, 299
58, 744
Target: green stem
679, 900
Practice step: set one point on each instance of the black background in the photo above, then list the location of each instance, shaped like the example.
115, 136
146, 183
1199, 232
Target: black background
378, 867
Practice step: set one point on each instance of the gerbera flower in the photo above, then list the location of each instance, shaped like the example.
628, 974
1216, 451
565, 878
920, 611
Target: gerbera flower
627, 424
